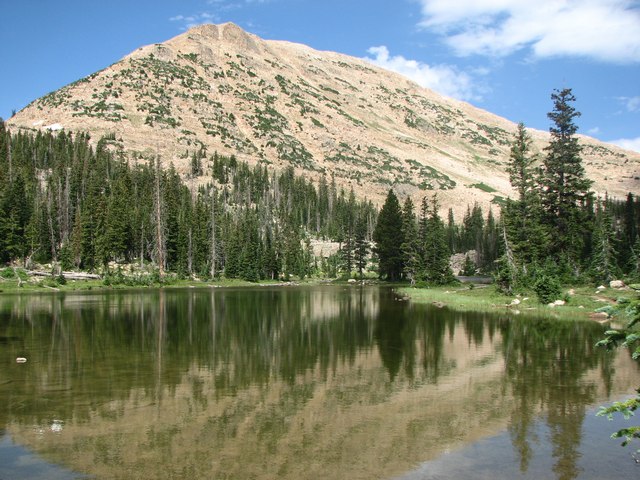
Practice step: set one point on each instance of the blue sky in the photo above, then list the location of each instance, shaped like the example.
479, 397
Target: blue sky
505, 56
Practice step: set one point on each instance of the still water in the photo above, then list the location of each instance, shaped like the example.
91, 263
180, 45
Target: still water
295, 383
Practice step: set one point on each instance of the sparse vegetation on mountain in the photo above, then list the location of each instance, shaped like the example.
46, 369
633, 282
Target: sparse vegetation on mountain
280, 104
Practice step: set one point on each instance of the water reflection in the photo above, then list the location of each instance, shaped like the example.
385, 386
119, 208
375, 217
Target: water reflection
290, 383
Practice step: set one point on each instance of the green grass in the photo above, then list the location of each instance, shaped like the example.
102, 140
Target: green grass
463, 298
39, 285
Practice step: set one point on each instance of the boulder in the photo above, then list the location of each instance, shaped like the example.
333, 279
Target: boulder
616, 284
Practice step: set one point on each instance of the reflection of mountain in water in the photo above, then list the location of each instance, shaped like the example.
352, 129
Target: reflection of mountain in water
288, 383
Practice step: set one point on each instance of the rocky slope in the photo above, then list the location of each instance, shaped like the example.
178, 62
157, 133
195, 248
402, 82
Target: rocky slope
279, 103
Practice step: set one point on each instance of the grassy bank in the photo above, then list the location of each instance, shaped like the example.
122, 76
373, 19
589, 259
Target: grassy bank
581, 304
12, 286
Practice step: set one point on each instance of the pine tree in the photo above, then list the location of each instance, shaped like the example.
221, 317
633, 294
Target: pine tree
603, 260
452, 232
361, 246
629, 232
565, 187
388, 238
490, 250
119, 231
523, 216
634, 260
410, 244
437, 270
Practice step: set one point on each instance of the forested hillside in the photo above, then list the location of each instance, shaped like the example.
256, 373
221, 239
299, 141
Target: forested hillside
65, 203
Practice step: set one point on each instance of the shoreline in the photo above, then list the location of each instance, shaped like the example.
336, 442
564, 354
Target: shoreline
12, 286
581, 305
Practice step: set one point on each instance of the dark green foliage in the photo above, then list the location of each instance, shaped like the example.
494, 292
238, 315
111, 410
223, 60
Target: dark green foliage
471, 229
435, 251
547, 288
565, 187
505, 276
554, 226
411, 251
62, 202
629, 338
388, 238
604, 249
468, 267
522, 216
361, 250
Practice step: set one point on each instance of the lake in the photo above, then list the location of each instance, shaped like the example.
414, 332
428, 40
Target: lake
300, 383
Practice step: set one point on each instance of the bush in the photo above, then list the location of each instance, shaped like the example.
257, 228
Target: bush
7, 273
548, 288
10, 272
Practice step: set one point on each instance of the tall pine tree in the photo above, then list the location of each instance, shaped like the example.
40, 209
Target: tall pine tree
388, 238
565, 187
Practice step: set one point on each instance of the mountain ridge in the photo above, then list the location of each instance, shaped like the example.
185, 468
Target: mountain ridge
273, 102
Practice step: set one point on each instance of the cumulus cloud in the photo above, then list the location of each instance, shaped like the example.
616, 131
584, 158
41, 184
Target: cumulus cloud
604, 30
193, 20
444, 79
628, 143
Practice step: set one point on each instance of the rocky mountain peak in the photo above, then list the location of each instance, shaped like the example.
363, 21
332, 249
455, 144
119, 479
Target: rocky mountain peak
217, 88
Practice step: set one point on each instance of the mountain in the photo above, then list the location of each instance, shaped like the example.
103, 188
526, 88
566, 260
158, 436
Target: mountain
219, 88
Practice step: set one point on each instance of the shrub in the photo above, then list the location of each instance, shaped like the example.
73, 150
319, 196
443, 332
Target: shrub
7, 273
548, 288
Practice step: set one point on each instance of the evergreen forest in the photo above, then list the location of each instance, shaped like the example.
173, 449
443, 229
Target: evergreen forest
66, 204
73, 206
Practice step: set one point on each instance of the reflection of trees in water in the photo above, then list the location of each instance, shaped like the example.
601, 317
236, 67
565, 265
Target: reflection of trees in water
87, 350
100, 347
408, 336
546, 361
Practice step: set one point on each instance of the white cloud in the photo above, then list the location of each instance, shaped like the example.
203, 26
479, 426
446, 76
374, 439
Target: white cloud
628, 143
190, 21
632, 104
444, 79
593, 131
605, 30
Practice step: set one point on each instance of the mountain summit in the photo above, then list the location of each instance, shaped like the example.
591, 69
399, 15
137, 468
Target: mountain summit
219, 88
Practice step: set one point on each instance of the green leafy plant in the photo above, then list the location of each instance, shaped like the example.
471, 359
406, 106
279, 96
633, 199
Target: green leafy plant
627, 337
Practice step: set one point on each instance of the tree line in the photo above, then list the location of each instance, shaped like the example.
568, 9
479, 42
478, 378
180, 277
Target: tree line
64, 202
555, 230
